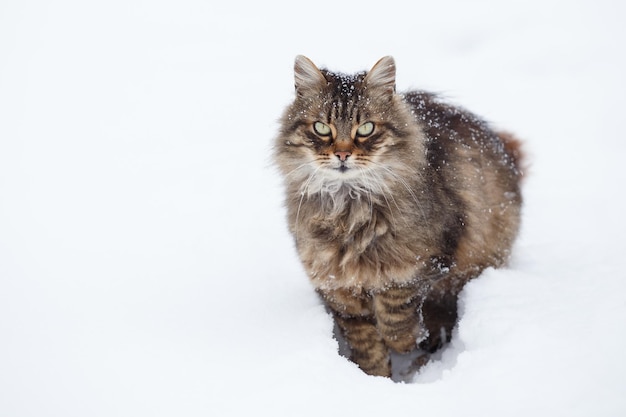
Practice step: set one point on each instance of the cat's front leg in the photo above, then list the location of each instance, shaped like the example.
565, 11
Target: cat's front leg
353, 314
398, 317
367, 348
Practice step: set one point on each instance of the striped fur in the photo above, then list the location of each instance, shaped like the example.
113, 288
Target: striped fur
391, 223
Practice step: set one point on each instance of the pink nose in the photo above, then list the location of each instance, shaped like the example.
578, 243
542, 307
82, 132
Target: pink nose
343, 155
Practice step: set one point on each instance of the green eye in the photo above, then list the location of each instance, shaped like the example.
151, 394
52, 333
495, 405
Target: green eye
321, 129
365, 129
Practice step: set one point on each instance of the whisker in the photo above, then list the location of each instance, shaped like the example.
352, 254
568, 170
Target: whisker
303, 191
298, 168
368, 190
382, 187
404, 184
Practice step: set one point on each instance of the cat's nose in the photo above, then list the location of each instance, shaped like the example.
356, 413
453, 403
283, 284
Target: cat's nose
343, 155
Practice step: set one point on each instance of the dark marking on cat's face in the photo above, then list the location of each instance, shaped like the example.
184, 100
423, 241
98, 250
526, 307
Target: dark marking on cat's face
346, 124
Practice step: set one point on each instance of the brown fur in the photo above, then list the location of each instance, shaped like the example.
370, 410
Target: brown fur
391, 224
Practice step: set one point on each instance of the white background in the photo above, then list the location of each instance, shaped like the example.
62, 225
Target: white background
145, 266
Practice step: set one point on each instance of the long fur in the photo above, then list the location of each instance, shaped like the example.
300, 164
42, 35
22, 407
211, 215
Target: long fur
391, 225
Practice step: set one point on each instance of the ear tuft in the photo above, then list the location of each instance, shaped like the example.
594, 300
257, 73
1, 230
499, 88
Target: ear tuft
383, 75
307, 75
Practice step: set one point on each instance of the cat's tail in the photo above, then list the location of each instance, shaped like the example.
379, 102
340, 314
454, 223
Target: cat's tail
513, 148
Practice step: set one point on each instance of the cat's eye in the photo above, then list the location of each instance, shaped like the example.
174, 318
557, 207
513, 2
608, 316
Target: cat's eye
321, 129
365, 129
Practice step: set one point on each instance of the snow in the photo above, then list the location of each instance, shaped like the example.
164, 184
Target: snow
145, 265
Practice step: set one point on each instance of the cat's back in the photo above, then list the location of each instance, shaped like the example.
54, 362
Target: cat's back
476, 169
455, 137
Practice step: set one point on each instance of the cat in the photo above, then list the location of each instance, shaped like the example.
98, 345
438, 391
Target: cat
395, 201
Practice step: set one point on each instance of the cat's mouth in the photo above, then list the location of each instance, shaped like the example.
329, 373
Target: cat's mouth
342, 171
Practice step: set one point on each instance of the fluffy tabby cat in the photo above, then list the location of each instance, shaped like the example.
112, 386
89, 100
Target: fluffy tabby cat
395, 201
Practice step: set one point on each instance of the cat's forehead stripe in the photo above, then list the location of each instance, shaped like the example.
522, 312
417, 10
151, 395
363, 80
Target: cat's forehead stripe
346, 84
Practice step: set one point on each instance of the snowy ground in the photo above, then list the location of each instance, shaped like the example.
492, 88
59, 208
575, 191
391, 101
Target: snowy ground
145, 267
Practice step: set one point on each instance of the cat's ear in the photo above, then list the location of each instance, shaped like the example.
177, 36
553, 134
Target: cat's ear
307, 76
382, 75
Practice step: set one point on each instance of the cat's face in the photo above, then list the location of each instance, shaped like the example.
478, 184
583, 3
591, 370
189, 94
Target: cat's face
344, 129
